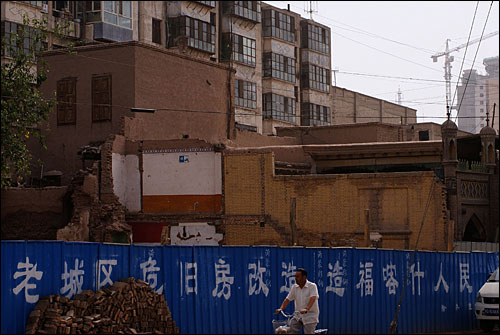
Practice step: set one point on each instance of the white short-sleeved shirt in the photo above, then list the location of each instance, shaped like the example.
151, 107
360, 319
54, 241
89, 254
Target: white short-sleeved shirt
301, 297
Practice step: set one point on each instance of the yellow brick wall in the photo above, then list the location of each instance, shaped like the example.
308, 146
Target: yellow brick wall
333, 203
243, 184
249, 234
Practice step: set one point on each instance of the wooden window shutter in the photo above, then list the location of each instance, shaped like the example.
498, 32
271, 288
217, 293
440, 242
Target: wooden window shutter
61, 105
156, 31
101, 98
66, 101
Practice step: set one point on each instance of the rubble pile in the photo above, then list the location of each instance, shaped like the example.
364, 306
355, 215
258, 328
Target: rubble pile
126, 307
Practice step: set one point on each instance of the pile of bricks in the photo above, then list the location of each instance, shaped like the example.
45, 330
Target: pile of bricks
126, 307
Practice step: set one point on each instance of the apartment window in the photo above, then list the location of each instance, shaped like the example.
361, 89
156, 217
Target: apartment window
249, 10
481, 110
481, 87
200, 34
481, 95
156, 31
243, 49
279, 107
245, 94
59, 8
315, 77
315, 115
93, 10
423, 135
279, 67
35, 3
279, 25
315, 37
481, 102
66, 101
10, 48
207, 3
101, 98
118, 13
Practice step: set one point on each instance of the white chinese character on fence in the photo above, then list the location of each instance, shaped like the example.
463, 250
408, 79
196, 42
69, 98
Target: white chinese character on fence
419, 274
389, 275
441, 280
30, 272
190, 278
335, 279
464, 276
289, 274
320, 269
149, 274
73, 280
255, 280
366, 281
101, 266
222, 270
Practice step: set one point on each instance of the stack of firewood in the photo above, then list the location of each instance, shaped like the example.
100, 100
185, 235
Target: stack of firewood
126, 307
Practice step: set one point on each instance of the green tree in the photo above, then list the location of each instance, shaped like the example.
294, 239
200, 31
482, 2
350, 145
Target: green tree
24, 108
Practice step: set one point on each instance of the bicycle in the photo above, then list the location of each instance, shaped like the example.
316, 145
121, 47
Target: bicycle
283, 326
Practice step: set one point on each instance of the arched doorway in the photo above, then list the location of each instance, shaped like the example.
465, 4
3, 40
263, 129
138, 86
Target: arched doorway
474, 230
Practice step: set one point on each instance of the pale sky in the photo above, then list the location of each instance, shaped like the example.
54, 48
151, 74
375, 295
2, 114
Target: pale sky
418, 30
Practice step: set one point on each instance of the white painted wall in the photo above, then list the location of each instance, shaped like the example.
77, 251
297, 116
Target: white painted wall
165, 174
127, 181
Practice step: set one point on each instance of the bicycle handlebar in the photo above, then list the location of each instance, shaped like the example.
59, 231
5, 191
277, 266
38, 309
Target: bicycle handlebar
288, 316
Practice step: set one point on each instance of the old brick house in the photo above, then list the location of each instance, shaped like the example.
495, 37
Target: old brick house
157, 130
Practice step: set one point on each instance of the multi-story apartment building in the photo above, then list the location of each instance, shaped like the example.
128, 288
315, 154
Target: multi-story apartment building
281, 68
476, 97
241, 48
281, 61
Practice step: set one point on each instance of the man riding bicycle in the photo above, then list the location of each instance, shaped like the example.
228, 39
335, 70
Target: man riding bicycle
305, 294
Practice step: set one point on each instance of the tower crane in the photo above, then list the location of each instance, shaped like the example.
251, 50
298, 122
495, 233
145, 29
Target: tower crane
448, 59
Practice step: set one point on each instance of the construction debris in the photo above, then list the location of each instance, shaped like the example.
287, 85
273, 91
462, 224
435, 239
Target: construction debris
126, 307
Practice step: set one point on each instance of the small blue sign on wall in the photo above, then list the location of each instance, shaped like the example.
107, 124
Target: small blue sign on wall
184, 159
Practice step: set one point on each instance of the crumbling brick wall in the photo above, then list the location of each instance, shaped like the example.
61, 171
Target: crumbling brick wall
98, 216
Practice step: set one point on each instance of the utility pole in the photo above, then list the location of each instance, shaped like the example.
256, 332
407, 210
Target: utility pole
400, 95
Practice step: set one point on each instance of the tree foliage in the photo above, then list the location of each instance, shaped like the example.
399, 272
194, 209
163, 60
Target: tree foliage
24, 108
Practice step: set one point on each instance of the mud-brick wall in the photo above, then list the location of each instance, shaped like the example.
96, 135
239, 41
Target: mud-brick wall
34, 213
333, 206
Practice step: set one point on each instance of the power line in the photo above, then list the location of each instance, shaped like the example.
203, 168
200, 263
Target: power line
402, 78
411, 89
251, 114
479, 123
361, 31
465, 53
477, 50
385, 52
394, 323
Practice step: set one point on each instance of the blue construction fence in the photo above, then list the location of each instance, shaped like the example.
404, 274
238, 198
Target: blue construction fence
236, 289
